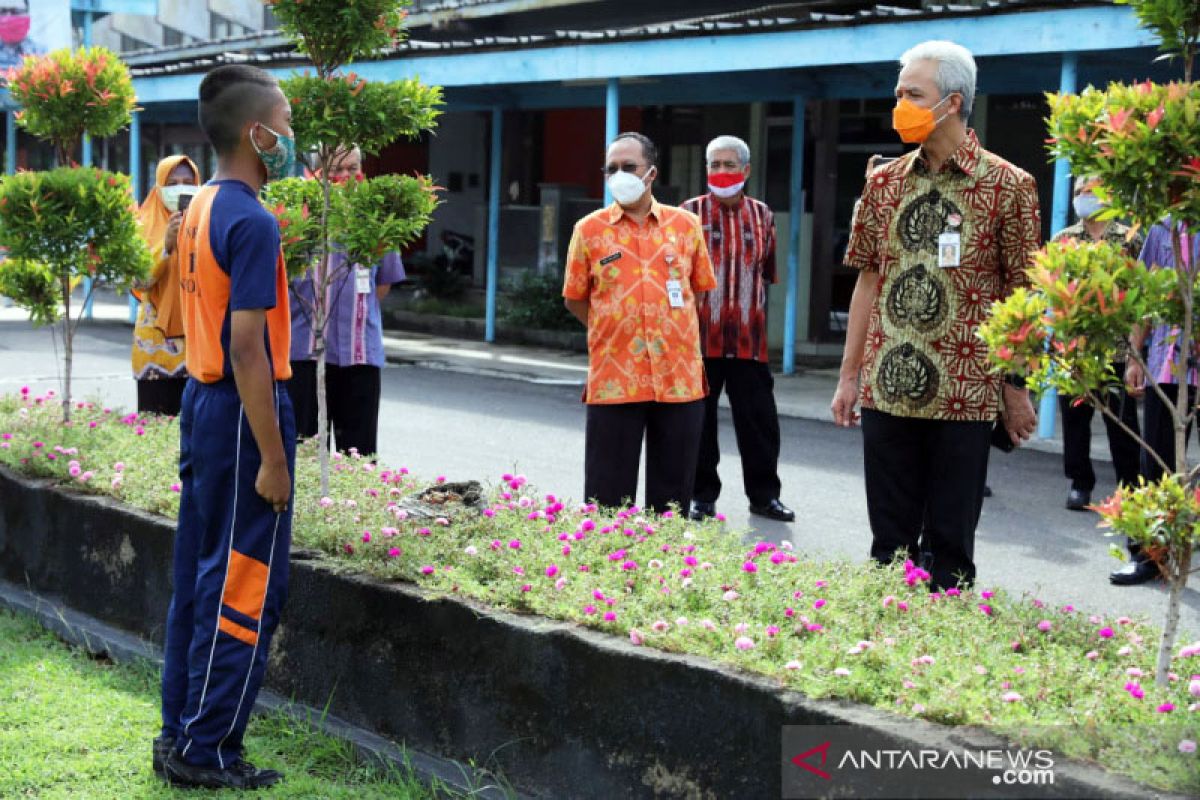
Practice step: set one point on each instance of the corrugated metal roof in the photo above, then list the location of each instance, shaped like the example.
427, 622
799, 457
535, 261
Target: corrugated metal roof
271, 47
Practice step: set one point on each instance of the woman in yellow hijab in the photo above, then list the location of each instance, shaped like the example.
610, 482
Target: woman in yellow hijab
158, 357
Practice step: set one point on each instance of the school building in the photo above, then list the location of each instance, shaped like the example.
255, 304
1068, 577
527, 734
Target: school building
534, 88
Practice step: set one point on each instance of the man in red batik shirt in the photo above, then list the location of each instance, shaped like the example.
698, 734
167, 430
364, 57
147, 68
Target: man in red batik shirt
740, 234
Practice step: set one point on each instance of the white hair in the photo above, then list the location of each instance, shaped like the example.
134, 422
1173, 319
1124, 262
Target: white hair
1083, 180
955, 72
729, 143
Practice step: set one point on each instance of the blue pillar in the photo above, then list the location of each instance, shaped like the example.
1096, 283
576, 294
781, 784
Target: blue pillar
797, 218
493, 231
10, 142
135, 181
612, 121
1058, 220
85, 158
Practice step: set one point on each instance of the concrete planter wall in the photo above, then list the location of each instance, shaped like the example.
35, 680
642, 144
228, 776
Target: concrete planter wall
565, 712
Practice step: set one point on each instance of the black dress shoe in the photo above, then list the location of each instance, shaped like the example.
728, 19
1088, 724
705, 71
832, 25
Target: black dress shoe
1135, 572
773, 509
239, 775
1079, 500
162, 746
702, 510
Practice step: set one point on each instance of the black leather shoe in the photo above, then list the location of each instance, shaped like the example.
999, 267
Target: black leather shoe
162, 746
702, 510
1135, 572
239, 775
1079, 500
775, 510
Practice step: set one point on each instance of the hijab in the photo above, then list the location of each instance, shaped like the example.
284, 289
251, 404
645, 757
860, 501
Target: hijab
153, 215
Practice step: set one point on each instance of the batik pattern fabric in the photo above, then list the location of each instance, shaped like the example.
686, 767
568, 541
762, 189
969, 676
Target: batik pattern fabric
923, 357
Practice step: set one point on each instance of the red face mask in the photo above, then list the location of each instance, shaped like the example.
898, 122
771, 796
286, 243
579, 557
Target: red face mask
14, 28
726, 184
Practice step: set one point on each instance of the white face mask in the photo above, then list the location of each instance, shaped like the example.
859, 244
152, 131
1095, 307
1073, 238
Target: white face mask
1087, 205
626, 187
170, 195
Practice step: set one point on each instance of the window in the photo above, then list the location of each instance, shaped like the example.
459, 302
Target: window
172, 37
224, 28
129, 43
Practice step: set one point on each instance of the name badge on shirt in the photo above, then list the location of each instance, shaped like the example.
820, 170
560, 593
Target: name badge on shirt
949, 248
675, 293
362, 280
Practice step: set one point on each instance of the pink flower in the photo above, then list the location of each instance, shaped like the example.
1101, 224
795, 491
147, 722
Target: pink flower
394, 552
589, 609
986, 609
681, 621
610, 616
74, 470
730, 596
1165, 708
1134, 672
560, 584
175, 487
526, 587
551, 571
1194, 688
660, 626
471, 550
1135, 691
635, 635
743, 643
902, 605
708, 625
819, 603
1106, 633
324, 502
427, 570
789, 612
1011, 697
1091, 655
721, 517
749, 566
1045, 625
518, 570
349, 548
86, 476
887, 601
1187, 747
814, 627
366, 536
515, 544
842, 672
629, 566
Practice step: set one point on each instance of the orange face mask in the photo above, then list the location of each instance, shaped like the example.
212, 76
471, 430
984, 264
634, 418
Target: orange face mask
914, 123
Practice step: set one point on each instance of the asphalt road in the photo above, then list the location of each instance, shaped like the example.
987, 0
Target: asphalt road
465, 426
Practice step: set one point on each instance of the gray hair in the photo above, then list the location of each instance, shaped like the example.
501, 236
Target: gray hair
729, 143
1083, 180
955, 72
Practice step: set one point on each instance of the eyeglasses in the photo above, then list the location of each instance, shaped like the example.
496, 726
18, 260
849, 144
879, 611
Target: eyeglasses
628, 166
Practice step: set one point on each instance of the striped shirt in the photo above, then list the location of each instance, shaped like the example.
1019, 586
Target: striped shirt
741, 241
1164, 344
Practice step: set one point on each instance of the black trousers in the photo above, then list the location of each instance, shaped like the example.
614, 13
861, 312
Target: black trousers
755, 422
614, 448
1077, 438
160, 396
1159, 433
925, 475
352, 395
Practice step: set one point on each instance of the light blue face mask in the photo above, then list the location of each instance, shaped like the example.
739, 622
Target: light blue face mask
1086, 205
280, 158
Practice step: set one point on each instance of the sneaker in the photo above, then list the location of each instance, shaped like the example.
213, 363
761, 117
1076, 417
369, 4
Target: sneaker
239, 775
162, 747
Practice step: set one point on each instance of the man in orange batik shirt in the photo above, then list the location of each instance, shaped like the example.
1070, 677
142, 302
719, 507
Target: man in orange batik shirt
634, 270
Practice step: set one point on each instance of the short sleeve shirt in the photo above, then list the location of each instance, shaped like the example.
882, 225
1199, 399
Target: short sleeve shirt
1158, 252
741, 242
354, 332
640, 347
923, 356
230, 259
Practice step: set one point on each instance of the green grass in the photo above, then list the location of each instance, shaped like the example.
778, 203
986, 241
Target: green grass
76, 727
827, 629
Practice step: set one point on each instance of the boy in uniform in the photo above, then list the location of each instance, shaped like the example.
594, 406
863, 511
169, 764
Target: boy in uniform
237, 441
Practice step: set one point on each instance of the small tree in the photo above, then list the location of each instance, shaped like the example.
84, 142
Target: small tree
1143, 143
70, 222
330, 111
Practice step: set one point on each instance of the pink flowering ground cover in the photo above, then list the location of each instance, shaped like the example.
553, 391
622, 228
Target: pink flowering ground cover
1074, 680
